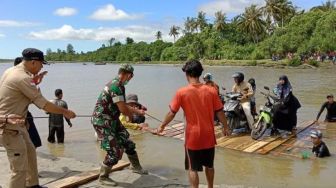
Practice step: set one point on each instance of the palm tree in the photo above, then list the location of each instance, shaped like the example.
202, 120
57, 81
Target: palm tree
158, 35
201, 20
111, 41
174, 31
220, 21
251, 22
327, 6
277, 11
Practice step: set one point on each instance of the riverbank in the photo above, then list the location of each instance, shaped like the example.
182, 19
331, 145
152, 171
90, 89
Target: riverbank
266, 63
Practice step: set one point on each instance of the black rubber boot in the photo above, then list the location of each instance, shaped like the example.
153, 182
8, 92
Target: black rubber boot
135, 164
104, 178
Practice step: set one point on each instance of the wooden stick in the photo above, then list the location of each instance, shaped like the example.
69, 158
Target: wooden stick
84, 177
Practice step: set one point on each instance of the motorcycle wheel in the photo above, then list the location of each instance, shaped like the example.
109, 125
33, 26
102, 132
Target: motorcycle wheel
260, 129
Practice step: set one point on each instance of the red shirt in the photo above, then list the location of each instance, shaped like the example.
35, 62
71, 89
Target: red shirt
199, 103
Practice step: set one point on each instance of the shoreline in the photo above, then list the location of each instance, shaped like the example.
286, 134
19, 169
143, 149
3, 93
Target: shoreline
264, 63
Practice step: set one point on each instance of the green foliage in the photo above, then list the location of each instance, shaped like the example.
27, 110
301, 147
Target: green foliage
174, 54
313, 62
252, 63
294, 62
269, 32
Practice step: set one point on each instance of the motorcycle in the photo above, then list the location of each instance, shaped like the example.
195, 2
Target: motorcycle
234, 112
266, 115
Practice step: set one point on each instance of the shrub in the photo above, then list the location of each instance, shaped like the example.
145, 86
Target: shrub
313, 62
294, 62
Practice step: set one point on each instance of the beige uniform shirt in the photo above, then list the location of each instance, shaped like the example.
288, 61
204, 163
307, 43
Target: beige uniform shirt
17, 91
245, 88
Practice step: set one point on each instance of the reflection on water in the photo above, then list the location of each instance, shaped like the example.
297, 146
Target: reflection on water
155, 86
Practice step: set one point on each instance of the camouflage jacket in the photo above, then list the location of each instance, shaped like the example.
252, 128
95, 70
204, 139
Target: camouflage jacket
106, 113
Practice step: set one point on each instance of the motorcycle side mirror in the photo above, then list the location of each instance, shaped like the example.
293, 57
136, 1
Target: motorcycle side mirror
267, 88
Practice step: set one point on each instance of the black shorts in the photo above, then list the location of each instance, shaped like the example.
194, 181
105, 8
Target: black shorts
196, 159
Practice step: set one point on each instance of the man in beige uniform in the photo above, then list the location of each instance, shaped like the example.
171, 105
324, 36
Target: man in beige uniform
18, 90
246, 90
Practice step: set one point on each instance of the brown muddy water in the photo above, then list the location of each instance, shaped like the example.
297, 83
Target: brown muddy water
155, 86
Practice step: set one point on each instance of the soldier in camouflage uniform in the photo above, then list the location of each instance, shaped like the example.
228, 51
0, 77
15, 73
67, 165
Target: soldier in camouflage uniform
105, 120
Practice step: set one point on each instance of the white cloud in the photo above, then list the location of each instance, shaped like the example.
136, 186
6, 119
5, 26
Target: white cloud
228, 6
65, 11
13, 23
2, 35
67, 32
110, 13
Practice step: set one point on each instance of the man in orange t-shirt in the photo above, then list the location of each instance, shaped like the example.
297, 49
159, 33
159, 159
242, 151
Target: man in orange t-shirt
199, 103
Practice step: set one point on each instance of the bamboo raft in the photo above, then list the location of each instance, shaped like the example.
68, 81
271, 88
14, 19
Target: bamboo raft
285, 145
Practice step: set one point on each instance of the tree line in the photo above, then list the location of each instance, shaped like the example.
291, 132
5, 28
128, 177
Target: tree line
279, 28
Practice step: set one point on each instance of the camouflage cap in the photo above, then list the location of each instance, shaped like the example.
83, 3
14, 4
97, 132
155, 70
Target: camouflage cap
126, 68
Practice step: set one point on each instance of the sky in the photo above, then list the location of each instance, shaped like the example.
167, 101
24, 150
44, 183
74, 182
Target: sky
87, 24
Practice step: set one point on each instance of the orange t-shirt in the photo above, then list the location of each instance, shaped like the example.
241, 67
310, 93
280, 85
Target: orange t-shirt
199, 103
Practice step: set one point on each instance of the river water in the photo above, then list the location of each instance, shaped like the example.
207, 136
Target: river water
155, 86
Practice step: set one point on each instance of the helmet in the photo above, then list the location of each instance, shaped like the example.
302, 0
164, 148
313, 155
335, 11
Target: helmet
207, 76
126, 68
239, 76
252, 82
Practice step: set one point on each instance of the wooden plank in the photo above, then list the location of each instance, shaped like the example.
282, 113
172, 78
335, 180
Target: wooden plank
245, 145
256, 146
240, 142
259, 144
280, 141
222, 139
229, 141
174, 128
84, 177
179, 136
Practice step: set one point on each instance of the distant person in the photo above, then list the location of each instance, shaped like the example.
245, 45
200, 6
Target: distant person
253, 99
56, 121
200, 103
330, 105
320, 149
136, 122
33, 133
208, 80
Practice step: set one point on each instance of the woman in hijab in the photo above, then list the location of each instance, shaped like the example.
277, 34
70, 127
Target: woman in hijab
285, 117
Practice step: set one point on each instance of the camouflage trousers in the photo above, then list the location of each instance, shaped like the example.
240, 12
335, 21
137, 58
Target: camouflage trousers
115, 143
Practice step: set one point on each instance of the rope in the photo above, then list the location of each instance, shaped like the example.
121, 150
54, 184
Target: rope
42, 117
161, 121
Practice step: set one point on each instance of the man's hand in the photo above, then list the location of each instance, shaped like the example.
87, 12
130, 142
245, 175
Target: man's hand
39, 77
226, 132
244, 96
144, 126
15, 119
160, 129
69, 114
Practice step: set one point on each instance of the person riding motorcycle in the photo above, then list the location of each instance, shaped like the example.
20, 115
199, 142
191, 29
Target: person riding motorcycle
208, 80
253, 99
246, 90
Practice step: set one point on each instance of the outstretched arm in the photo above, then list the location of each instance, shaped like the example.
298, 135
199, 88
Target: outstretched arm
321, 110
169, 117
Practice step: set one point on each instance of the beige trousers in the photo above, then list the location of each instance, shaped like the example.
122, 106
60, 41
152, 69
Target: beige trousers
21, 155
